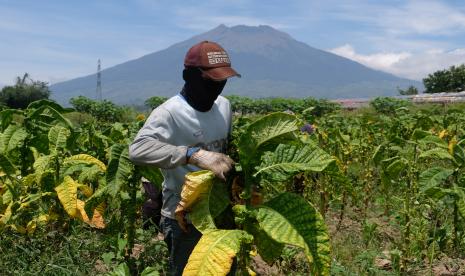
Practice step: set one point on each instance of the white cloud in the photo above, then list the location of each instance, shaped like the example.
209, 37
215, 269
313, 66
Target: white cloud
381, 61
405, 64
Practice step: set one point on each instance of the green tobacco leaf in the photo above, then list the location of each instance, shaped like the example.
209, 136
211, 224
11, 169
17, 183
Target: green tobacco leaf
44, 162
378, 155
97, 197
121, 270
433, 177
6, 166
42, 165
49, 112
267, 247
287, 160
17, 139
6, 117
460, 200
35, 152
434, 140
119, 169
344, 137
214, 253
273, 127
209, 205
90, 175
5, 137
72, 169
150, 271
48, 103
420, 134
437, 193
58, 137
440, 153
47, 180
291, 219
395, 168
152, 174
459, 154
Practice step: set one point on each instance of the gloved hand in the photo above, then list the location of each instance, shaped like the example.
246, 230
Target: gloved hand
220, 164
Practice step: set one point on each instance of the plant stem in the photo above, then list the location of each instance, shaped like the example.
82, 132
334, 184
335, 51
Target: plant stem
133, 185
341, 212
455, 234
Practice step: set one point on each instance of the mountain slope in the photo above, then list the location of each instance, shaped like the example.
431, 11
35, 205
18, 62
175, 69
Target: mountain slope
271, 62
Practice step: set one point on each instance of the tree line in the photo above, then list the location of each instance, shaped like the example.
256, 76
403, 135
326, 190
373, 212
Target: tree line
26, 90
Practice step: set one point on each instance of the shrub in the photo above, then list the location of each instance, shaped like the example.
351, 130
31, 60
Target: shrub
388, 105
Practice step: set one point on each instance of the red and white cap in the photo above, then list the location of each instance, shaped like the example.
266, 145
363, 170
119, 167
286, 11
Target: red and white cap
212, 59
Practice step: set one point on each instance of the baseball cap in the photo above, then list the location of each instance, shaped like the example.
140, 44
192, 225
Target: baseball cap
212, 59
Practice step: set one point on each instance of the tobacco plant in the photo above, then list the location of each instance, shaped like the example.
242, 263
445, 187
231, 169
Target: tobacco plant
271, 151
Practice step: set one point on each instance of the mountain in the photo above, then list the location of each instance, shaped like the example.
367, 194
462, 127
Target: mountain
271, 62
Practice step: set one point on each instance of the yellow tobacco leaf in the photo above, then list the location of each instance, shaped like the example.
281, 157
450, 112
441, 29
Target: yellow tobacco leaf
452, 144
140, 117
443, 133
86, 190
6, 215
42, 218
214, 253
97, 219
87, 159
53, 216
20, 229
24, 205
195, 184
67, 194
251, 272
29, 179
31, 227
324, 135
2, 173
253, 253
101, 208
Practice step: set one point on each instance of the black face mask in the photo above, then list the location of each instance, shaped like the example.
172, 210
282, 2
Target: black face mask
199, 92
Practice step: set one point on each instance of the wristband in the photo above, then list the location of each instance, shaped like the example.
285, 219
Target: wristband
190, 151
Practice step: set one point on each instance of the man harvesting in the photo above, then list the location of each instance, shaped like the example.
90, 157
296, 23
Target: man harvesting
187, 133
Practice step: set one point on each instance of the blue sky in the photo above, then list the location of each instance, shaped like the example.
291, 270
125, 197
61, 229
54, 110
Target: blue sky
58, 40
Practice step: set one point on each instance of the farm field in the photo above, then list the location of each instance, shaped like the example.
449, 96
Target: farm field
317, 189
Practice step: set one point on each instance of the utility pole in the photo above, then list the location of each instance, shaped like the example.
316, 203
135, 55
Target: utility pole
99, 81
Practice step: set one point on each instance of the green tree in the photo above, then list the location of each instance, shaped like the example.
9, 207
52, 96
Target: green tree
105, 110
24, 92
154, 102
411, 90
448, 80
386, 105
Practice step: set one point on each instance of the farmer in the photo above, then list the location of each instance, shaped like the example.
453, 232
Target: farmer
187, 133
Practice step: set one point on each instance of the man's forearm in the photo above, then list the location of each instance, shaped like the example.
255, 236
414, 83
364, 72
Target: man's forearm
153, 152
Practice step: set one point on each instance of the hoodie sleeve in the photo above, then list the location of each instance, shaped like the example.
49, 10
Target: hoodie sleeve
152, 143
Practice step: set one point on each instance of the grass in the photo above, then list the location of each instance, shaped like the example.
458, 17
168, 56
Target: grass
78, 251
358, 247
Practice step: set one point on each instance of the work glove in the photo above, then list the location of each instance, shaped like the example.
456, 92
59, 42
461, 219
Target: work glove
220, 164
